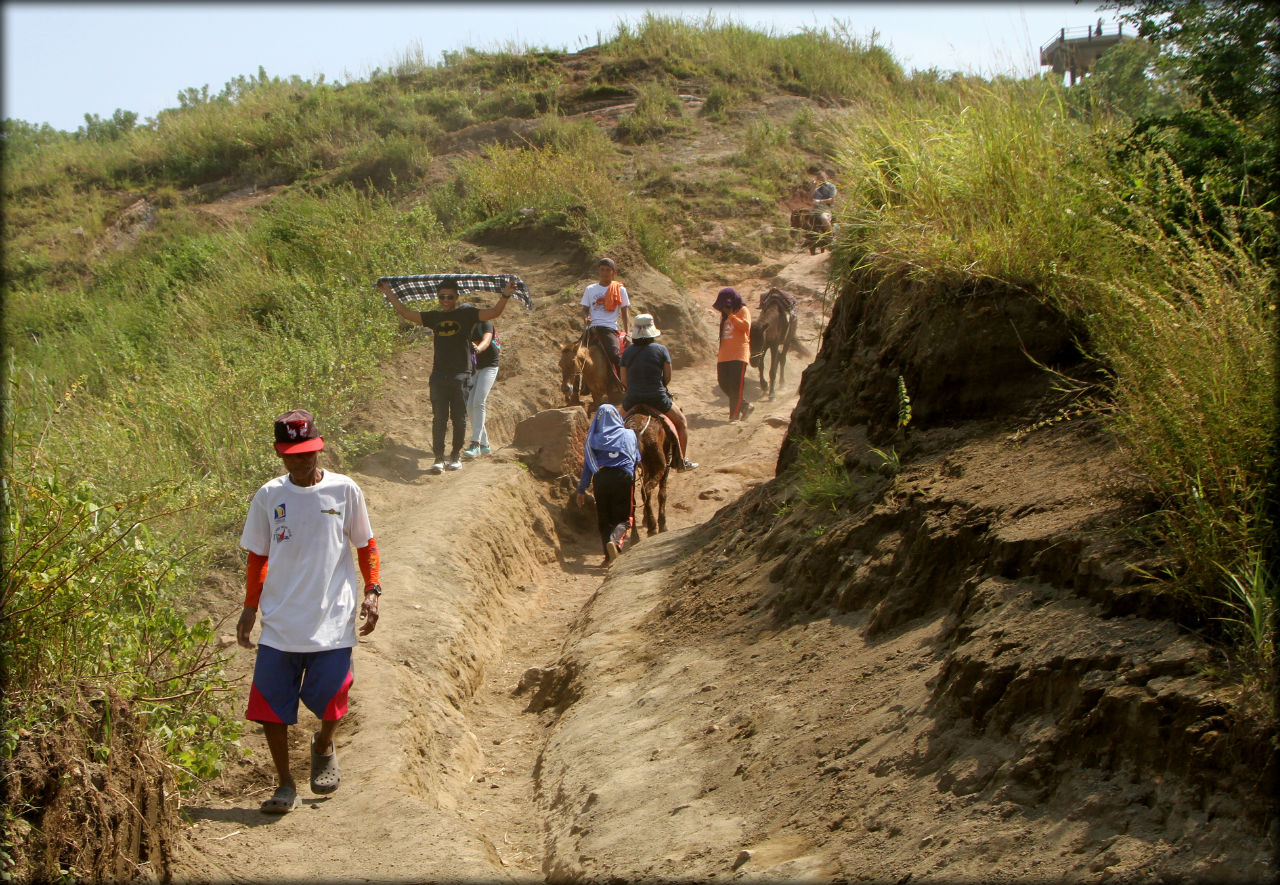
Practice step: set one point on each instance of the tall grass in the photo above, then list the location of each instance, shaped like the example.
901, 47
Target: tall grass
569, 181
657, 112
998, 182
827, 63
978, 186
190, 345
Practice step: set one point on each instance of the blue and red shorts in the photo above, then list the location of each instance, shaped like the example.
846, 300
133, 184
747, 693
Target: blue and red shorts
320, 679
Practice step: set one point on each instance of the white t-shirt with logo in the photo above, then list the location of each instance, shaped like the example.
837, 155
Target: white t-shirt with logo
594, 299
310, 597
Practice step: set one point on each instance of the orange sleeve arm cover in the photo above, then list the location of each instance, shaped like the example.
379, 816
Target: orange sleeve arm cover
254, 579
368, 557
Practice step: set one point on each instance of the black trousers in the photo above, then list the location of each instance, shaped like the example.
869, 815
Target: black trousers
614, 491
732, 376
608, 339
448, 401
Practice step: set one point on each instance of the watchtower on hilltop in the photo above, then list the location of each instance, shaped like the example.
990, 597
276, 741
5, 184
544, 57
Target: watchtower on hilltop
1076, 49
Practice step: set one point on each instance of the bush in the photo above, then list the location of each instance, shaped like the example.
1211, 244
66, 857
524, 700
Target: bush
657, 112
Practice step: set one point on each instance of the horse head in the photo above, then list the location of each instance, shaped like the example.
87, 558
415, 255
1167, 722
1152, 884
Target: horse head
570, 372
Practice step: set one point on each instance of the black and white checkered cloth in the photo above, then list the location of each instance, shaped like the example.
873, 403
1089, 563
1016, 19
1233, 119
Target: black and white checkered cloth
423, 287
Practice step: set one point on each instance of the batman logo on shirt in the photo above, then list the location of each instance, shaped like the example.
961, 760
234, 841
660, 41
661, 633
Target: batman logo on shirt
448, 327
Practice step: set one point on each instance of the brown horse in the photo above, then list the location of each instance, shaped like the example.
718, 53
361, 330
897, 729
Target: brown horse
817, 228
584, 368
774, 331
658, 448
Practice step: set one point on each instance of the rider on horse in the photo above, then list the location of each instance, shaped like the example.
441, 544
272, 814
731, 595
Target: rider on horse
603, 304
646, 371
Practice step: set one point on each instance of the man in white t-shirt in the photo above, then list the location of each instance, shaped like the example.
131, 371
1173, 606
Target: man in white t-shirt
602, 309
303, 525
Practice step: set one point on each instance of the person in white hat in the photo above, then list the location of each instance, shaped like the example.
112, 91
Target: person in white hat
646, 372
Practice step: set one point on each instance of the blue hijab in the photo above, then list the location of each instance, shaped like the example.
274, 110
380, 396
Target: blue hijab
607, 434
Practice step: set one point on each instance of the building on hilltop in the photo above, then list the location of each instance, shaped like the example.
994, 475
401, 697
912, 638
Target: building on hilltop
1075, 50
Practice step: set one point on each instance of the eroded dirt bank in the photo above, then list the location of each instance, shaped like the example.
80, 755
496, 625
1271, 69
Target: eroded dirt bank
954, 675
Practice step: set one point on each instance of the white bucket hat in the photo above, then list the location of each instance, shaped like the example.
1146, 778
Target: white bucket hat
644, 327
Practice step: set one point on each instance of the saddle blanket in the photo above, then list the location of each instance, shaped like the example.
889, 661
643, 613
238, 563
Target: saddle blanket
654, 413
423, 287
786, 299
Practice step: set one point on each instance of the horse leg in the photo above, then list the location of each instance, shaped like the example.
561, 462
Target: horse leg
773, 370
662, 501
650, 524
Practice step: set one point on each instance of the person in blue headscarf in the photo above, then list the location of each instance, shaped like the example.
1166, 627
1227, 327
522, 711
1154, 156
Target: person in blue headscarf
609, 458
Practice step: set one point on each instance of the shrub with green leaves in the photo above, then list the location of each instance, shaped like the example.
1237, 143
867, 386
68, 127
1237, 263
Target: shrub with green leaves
821, 477
90, 597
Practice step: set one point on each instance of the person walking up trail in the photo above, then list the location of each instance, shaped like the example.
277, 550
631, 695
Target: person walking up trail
824, 191
299, 534
487, 351
735, 350
451, 362
604, 303
609, 459
646, 372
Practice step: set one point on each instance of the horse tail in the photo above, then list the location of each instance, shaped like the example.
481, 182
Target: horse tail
795, 344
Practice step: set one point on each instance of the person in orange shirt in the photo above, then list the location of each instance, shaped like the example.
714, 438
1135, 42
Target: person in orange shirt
735, 351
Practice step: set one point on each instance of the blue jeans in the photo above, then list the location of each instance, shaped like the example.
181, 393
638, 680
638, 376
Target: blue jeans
481, 383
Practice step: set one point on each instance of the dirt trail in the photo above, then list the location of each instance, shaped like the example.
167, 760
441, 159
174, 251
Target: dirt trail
438, 754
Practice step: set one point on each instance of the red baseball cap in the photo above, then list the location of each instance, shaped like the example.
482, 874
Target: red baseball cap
296, 433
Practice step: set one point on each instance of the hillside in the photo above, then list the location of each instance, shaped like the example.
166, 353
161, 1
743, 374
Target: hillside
880, 642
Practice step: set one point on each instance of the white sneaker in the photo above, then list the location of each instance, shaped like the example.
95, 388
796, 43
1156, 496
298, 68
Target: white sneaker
436, 468
455, 464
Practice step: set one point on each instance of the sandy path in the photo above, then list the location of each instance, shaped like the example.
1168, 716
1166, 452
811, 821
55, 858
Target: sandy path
438, 754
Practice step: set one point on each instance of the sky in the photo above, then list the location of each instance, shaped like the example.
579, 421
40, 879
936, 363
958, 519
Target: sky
65, 60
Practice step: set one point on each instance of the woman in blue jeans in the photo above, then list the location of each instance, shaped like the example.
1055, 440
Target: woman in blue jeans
484, 343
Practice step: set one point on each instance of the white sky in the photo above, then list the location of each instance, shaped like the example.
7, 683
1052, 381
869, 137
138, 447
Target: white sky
63, 60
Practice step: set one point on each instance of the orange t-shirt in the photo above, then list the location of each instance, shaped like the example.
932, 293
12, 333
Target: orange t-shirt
735, 337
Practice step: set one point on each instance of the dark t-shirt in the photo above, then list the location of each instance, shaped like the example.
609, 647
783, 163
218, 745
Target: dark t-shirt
489, 356
644, 364
453, 353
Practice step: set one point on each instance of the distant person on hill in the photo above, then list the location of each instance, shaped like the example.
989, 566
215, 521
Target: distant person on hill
303, 526
646, 372
604, 303
824, 191
486, 349
735, 351
609, 460
451, 362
